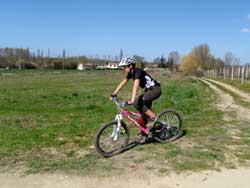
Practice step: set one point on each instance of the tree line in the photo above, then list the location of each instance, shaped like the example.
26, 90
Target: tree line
171, 62
25, 59
197, 62
200, 60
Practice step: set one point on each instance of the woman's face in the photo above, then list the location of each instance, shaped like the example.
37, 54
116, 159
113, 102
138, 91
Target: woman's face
126, 69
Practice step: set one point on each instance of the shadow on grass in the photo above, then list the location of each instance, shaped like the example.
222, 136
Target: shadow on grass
133, 144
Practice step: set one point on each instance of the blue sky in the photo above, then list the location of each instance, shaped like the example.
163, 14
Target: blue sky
144, 27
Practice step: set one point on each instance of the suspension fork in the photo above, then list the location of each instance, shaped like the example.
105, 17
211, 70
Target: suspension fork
116, 128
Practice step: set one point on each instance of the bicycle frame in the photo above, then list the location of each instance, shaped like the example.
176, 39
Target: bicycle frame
127, 114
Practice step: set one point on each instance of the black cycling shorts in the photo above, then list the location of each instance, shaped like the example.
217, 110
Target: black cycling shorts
144, 102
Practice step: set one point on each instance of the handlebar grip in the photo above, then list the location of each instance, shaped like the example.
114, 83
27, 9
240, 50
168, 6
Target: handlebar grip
123, 104
127, 104
112, 95
114, 99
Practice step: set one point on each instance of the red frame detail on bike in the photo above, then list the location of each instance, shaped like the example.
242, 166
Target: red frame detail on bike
127, 113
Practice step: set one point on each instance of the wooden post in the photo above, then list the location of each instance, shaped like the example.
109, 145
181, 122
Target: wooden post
239, 68
242, 74
225, 72
247, 72
246, 76
232, 74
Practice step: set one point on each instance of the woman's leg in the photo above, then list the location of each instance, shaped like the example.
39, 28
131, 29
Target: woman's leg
138, 103
150, 114
148, 97
143, 103
144, 106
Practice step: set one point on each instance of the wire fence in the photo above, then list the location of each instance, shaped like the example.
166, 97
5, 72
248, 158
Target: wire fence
231, 72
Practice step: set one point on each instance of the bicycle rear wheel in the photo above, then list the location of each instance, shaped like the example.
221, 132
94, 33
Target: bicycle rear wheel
168, 126
107, 144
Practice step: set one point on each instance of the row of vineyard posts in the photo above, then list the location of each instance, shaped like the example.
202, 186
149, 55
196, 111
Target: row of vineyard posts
230, 72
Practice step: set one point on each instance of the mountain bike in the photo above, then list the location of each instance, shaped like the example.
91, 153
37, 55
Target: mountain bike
113, 137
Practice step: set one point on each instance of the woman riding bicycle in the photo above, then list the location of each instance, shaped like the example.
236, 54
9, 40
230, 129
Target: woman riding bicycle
152, 88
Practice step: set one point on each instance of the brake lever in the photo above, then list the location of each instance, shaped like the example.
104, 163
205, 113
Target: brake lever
124, 104
115, 99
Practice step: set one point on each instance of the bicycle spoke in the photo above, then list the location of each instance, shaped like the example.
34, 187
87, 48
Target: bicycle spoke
111, 140
168, 126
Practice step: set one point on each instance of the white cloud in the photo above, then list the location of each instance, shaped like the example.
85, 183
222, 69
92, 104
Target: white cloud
245, 30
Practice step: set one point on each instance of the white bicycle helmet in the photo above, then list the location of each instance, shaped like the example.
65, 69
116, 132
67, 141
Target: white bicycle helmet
126, 61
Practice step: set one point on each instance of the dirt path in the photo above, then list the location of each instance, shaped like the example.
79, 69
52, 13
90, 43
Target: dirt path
225, 179
227, 102
244, 95
237, 178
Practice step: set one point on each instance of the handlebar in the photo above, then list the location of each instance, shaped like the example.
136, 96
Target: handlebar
119, 103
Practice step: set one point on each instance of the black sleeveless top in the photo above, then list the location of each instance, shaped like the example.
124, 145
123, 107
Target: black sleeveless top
146, 81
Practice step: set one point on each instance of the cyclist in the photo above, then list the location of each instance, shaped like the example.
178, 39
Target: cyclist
152, 88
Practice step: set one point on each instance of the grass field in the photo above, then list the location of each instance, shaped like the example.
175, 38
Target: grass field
48, 120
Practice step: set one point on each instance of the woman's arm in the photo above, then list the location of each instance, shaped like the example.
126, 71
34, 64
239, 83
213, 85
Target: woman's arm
135, 90
120, 86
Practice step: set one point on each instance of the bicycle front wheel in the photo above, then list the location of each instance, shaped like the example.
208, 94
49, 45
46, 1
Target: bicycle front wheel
168, 126
111, 139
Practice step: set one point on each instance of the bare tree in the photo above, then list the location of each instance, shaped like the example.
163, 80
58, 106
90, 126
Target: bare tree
203, 55
64, 55
20, 59
48, 53
121, 54
161, 61
174, 57
229, 59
